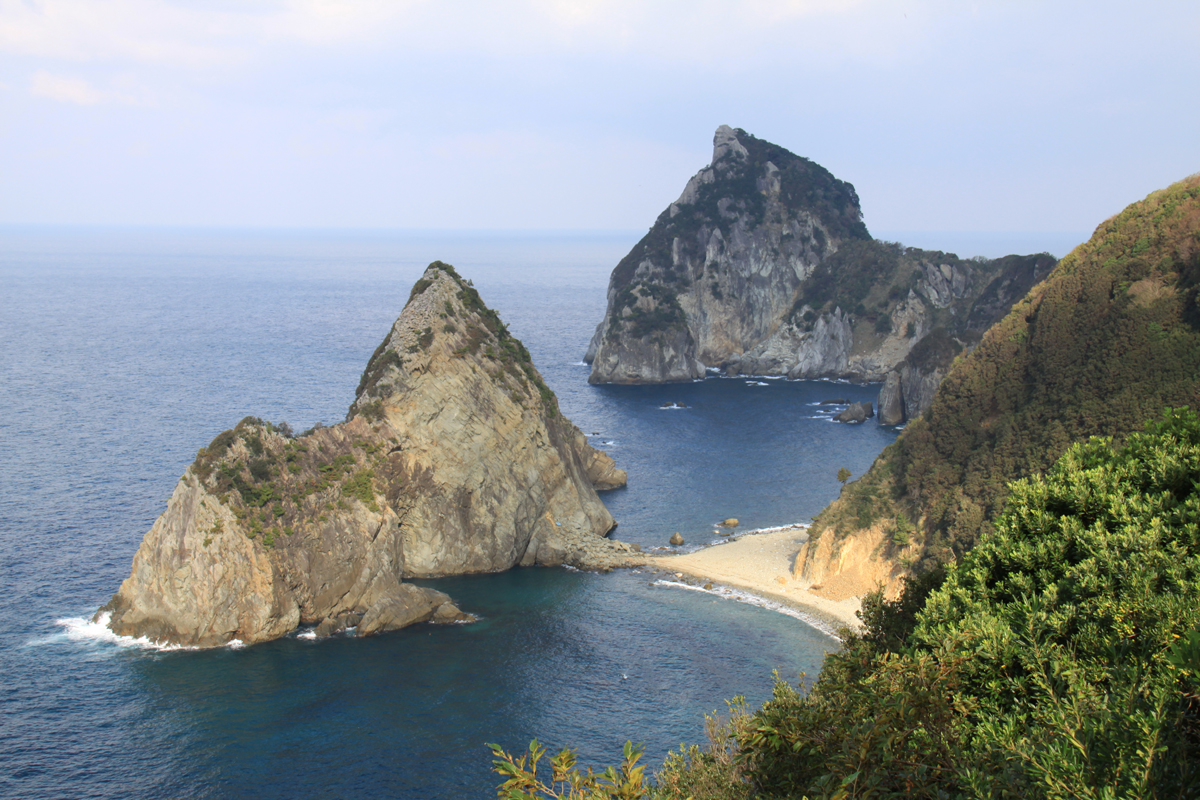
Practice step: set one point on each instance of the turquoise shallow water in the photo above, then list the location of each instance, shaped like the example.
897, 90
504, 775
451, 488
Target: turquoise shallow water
123, 352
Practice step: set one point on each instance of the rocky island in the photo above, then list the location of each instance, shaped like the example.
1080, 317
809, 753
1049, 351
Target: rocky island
763, 266
453, 458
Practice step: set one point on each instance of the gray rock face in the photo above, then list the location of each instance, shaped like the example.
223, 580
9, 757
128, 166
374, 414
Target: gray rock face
891, 400
453, 459
909, 387
720, 269
856, 413
763, 267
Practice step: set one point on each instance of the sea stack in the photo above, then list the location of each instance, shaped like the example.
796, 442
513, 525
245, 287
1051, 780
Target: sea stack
763, 266
722, 264
453, 459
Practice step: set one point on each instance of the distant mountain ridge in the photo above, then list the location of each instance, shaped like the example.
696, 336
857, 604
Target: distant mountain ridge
764, 266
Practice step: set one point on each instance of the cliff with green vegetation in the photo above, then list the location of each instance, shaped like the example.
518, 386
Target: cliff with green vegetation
453, 458
1110, 337
1060, 658
763, 266
1046, 641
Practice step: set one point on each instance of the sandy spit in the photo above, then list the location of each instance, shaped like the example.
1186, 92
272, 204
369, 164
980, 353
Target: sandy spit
761, 563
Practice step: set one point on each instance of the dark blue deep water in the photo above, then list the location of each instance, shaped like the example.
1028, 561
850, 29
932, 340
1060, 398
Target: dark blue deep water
124, 351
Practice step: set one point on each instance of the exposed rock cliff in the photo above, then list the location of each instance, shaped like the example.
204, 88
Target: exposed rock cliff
453, 459
1103, 344
720, 268
763, 267
909, 388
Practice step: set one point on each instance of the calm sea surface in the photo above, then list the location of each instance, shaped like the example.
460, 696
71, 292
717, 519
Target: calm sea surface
124, 351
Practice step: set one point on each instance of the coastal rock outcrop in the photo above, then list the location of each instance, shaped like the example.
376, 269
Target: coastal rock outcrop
453, 458
855, 413
909, 387
719, 270
763, 266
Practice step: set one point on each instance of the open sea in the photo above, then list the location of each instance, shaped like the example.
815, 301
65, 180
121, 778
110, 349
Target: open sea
123, 351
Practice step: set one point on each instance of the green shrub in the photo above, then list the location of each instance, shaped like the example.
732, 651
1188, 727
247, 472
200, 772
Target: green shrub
360, 487
1060, 658
522, 781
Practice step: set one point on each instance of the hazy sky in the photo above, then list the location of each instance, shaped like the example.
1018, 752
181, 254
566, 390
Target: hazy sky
585, 114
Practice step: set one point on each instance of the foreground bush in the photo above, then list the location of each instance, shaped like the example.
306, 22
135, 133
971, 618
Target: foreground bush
1060, 658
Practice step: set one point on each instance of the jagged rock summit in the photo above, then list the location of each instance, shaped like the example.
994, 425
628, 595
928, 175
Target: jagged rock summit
453, 458
763, 266
722, 264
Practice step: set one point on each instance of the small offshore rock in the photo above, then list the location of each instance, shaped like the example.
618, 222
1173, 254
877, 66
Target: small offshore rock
708, 587
676, 539
841, 401
730, 523
856, 412
328, 627
448, 612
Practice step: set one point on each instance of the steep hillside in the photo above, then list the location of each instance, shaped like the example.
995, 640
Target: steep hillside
1106, 341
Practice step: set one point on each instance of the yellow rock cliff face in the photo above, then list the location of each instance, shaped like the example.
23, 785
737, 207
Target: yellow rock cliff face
453, 459
852, 566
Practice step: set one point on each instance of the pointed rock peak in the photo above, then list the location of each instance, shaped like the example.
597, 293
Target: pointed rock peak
726, 144
446, 324
454, 459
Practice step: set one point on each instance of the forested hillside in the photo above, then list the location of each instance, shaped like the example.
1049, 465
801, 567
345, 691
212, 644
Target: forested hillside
1059, 659
1107, 340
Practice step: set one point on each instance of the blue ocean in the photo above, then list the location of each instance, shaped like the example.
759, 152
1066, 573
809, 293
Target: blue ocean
123, 351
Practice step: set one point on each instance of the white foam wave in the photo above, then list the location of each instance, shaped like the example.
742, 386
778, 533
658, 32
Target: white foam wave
741, 596
84, 630
580, 364
777, 528
308, 635
749, 378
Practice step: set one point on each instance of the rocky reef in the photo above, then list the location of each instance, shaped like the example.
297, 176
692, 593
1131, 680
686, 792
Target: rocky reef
453, 459
763, 266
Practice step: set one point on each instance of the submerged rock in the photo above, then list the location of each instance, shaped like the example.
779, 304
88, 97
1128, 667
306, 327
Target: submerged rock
453, 459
